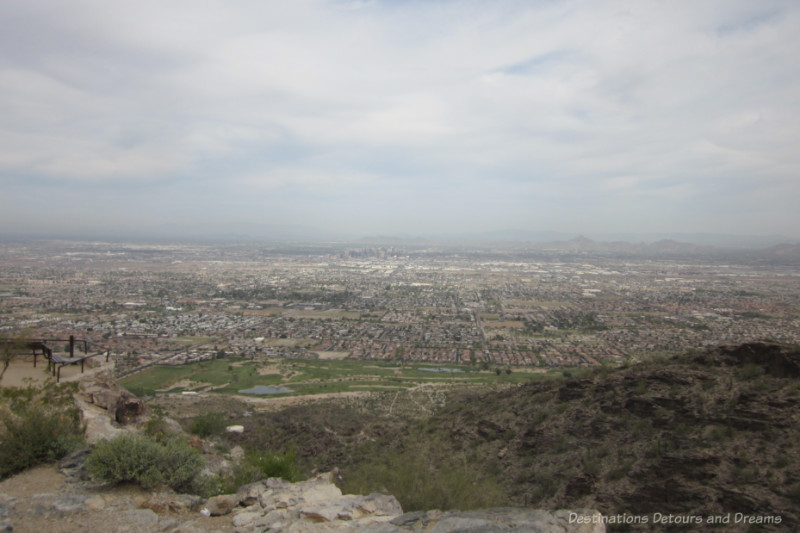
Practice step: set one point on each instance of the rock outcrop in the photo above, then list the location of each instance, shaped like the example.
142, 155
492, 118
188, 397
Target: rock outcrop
123, 407
309, 506
317, 506
74, 505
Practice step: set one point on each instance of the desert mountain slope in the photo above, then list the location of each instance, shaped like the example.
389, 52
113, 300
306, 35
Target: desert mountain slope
705, 434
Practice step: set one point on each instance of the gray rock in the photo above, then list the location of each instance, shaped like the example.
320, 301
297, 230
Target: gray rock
73, 466
128, 409
497, 520
188, 527
247, 495
220, 505
383, 527
5, 505
163, 502
236, 454
41, 504
167, 524
69, 504
409, 518
351, 507
139, 520
122, 406
216, 466
246, 518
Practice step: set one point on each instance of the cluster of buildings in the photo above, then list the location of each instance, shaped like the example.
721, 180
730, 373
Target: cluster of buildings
175, 304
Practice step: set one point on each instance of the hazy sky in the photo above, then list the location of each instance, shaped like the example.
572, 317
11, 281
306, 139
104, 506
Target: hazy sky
400, 117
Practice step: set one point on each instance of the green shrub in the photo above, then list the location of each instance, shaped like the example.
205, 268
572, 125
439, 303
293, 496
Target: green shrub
157, 428
256, 467
35, 434
427, 480
749, 371
275, 465
781, 461
209, 425
142, 460
39, 424
620, 471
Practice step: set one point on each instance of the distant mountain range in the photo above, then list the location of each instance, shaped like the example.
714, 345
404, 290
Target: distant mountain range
719, 240
777, 245
663, 246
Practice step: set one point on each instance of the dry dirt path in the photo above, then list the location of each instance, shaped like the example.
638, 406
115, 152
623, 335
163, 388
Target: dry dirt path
41, 500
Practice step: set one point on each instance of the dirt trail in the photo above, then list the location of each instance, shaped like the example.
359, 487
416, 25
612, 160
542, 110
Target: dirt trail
41, 500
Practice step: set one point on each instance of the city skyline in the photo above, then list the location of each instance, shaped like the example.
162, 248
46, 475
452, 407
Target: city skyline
351, 118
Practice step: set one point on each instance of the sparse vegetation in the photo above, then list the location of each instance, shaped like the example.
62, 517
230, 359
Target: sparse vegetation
256, 466
421, 478
208, 425
143, 460
617, 436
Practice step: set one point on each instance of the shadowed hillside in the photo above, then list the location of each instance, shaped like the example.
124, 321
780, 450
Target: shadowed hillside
701, 434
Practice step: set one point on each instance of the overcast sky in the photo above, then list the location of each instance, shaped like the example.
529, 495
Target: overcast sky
400, 117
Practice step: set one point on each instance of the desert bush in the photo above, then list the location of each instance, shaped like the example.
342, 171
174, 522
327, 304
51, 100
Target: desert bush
37, 425
209, 425
592, 466
158, 429
745, 473
421, 478
749, 371
143, 460
257, 466
620, 471
275, 465
34, 434
781, 461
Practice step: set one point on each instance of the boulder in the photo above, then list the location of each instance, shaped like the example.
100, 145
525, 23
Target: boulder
168, 501
73, 466
128, 409
220, 505
304, 506
122, 406
248, 495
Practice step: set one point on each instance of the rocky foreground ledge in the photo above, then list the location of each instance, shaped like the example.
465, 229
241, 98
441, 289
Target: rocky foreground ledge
273, 505
317, 505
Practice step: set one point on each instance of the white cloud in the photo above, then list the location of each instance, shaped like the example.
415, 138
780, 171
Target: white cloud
500, 101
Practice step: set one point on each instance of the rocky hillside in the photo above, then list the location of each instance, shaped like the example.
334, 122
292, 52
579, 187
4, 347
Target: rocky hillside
702, 434
698, 435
